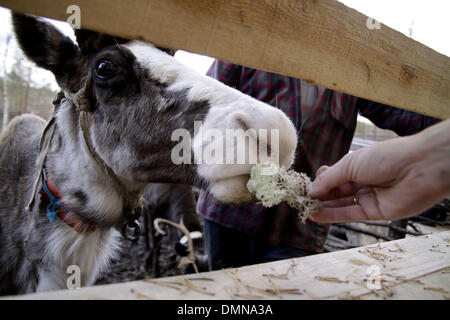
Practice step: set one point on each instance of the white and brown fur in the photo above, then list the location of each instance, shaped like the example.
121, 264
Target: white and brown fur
134, 112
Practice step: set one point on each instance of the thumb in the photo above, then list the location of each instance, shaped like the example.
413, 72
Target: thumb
330, 178
321, 170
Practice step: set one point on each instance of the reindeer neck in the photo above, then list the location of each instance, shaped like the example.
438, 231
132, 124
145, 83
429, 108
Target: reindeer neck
85, 190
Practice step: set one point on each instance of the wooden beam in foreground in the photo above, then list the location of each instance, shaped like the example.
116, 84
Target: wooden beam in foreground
323, 42
411, 268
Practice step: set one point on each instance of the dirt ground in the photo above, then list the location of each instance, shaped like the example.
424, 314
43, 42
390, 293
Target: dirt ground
129, 266
131, 263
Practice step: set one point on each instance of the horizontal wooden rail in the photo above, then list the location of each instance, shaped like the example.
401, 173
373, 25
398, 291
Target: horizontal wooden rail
410, 268
321, 41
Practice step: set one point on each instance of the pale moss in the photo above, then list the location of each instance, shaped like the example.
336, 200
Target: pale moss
273, 184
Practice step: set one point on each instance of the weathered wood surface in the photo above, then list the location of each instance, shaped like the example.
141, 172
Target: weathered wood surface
323, 42
411, 268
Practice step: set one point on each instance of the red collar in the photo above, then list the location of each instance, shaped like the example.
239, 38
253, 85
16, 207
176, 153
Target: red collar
71, 221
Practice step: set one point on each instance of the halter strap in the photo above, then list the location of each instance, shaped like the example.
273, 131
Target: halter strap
132, 206
131, 199
56, 208
44, 146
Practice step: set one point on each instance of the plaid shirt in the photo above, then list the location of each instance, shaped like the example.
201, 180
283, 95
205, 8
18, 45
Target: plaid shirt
325, 121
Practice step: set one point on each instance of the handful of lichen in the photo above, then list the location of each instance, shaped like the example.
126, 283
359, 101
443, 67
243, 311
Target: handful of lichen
273, 184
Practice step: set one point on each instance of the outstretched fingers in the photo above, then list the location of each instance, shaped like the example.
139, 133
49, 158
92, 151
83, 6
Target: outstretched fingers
342, 214
363, 206
329, 178
342, 202
348, 189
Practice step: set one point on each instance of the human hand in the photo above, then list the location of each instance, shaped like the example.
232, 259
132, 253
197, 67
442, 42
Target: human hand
390, 180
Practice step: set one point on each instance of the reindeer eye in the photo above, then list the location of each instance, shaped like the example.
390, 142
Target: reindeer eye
105, 69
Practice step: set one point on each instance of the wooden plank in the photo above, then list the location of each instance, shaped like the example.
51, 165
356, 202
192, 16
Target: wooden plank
425, 287
323, 42
336, 275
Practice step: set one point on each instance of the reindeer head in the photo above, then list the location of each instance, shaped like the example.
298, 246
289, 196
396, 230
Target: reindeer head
138, 95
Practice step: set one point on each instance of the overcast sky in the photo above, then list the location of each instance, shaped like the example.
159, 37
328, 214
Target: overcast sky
428, 19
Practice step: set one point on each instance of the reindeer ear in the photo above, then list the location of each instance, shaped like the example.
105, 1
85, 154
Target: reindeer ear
91, 42
168, 51
46, 46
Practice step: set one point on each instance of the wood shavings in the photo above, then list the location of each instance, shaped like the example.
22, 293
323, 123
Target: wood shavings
201, 279
316, 297
186, 285
414, 281
275, 290
362, 283
399, 248
238, 282
291, 291
348, 296
169, 284
189, 285
377, 247
437, 250
358, 262
331, 279
440, 290
269, 292
230, 292
387, 282
247, 296
234, 276
292, 267
141, 295
388, 291
282, 276
380, 257
403, 279
386, 286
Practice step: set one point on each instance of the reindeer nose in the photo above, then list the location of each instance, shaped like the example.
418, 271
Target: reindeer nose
271, 129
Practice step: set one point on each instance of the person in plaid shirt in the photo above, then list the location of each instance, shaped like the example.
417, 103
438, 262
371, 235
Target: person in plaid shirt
325, 121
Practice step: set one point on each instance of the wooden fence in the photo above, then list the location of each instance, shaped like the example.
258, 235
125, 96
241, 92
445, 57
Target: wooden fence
411, 268
321, 41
